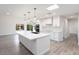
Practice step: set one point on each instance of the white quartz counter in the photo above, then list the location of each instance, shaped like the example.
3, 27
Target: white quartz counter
30, 35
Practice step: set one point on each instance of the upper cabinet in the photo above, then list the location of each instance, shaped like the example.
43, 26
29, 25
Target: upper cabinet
56, 21
45, 22
48, 21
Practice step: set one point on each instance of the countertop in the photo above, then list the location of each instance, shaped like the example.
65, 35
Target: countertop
31, 36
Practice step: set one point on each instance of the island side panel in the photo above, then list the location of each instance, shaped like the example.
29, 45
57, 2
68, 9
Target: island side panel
29, 44
43, 45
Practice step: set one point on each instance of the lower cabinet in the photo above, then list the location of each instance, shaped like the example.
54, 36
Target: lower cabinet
57, 36
37, 46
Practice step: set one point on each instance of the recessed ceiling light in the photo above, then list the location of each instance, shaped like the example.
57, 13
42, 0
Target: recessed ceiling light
53, 7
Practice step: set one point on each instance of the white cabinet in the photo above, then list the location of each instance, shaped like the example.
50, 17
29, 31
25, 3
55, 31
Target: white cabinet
56, 21
57, 36
36, 43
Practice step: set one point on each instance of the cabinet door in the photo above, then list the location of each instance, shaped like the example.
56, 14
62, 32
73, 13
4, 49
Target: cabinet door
54, 36
60, 36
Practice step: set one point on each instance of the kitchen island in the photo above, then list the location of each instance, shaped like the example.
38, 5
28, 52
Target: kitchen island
36, 43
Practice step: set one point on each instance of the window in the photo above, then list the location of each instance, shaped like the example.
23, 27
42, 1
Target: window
19, 26
29, 27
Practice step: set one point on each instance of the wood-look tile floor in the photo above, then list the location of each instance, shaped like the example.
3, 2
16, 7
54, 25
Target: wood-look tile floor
68, 47
9, 45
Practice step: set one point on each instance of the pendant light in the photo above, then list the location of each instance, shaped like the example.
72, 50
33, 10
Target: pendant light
28, 15
35, 17
24, 17
28, 19
34, 14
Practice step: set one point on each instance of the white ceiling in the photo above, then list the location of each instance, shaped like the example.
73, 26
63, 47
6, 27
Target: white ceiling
21, 9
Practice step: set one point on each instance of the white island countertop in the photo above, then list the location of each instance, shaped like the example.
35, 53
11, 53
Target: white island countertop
30, 35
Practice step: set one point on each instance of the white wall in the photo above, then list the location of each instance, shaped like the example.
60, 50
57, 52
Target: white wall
10, 15
65, 28
73, 25
8, 24
78, 30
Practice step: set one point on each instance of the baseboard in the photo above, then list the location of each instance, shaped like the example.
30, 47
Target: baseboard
56, 40
7, 34
66, 36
